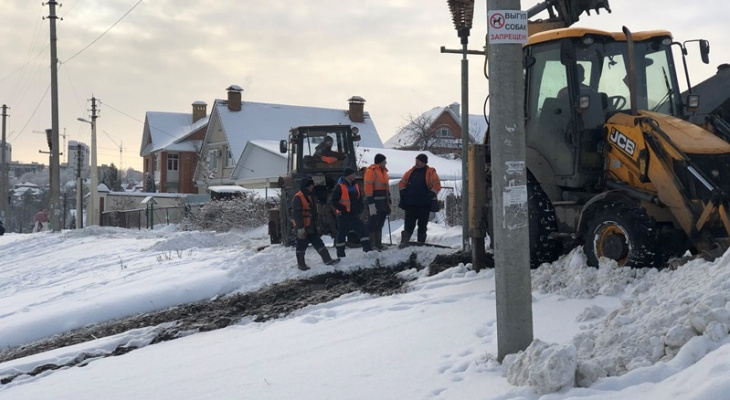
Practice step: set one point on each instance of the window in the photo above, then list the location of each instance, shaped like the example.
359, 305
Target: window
213, 160
173, 162
230, 162
444, 132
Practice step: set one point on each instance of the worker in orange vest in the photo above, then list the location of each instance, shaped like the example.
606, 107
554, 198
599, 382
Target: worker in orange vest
347, 201
324, 153
304, 213
418, 189
377, 196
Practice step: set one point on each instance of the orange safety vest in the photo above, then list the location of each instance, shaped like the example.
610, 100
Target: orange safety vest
306, 212
433, 182
345, 197
375, 179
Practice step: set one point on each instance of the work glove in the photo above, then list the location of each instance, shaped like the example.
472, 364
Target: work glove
373, 209
302, 233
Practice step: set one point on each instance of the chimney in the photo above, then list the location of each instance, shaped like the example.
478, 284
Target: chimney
234, 97
455, 109
199, 110
357, 105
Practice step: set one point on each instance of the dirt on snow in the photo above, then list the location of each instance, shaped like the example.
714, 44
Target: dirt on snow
274, 301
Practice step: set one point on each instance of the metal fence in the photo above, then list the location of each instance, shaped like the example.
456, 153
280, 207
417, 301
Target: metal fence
140, 218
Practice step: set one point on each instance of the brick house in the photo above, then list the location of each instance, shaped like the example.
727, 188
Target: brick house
241, 142
439, 131
170, 146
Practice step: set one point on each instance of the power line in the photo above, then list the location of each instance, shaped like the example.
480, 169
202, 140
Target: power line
121, 112
34, 111
142, 122
103, 33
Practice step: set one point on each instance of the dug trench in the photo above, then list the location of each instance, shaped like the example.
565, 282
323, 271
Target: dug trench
271, 302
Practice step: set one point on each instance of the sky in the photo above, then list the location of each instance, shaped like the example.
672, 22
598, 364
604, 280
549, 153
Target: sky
140, 55
626, 334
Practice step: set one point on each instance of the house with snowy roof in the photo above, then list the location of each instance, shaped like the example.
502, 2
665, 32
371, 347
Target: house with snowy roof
238, 145
170, 146
439, 131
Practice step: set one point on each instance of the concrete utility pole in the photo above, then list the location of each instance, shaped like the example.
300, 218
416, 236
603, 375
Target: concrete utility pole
79, 187
93, 208
507, 27
55, 207
4, 182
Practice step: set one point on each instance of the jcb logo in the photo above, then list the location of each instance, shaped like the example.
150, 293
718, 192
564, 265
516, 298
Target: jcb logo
624, 143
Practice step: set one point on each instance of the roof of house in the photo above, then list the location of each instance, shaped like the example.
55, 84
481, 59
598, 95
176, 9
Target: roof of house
399, 161
167, 131
263, 121
405, 137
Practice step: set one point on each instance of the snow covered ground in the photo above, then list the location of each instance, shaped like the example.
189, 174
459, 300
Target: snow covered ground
607, 333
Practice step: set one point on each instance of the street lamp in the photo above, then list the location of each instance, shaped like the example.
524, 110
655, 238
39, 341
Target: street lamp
93, 208
462, 13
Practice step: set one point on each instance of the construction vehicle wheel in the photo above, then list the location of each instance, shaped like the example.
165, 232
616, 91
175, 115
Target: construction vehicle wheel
625, 234
286, 230
542, 223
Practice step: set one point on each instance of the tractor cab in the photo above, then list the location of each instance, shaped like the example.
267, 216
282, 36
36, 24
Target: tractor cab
576, 80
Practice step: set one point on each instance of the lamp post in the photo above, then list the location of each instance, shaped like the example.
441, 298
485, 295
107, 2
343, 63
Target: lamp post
93, 208
462, 13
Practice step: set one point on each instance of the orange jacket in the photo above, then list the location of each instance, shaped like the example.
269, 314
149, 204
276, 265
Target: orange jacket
376, 182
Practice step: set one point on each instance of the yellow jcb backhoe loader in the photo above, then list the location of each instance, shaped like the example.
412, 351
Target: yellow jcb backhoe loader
613, 163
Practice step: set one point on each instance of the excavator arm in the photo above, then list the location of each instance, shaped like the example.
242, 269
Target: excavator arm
562, 13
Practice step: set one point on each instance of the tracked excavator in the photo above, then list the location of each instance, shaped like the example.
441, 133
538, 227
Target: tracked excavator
614, 162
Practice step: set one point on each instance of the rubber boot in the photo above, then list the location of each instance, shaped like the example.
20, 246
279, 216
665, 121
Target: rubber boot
421, 238
326, 257
366, 245
340, 251
379, 240
374, 241
300, 261
405, 237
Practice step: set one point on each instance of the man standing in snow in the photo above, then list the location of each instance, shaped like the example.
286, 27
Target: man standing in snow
418, 189
304, 213
40, 221
377, 195
347, 201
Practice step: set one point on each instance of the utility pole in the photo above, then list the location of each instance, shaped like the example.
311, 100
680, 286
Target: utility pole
55, 164
79, 187
462, 13
507, 32
4, 189
93, 209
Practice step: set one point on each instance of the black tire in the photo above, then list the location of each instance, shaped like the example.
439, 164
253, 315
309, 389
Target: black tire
625, 234
542, 223
287, 234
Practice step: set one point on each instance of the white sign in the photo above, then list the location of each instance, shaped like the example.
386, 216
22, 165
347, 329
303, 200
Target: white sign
507, 26
514, 167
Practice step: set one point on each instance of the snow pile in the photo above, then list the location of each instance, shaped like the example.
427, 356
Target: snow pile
546, 368
661, 312
573, 278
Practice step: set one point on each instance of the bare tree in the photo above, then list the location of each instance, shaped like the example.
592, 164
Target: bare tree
203, 162
417, 134
122, 203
